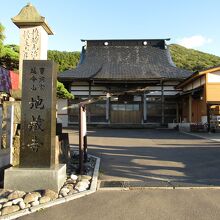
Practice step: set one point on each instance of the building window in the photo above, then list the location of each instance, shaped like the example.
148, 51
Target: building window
125, 107
97, 112
73, 112
154, 112
169, 112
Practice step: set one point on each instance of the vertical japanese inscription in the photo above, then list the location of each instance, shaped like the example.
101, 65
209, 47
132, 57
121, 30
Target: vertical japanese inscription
38, 120
31, 43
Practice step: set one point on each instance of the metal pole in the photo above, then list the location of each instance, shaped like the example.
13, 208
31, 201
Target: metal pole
81, 168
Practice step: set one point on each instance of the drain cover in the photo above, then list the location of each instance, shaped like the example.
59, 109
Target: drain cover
134, 184
104, 184
151, 183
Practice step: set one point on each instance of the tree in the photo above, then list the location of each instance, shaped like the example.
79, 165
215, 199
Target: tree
62, 92
66, 60
2, 36
8, 53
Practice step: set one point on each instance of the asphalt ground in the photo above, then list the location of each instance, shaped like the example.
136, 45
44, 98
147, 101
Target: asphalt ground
150, 155
148, 204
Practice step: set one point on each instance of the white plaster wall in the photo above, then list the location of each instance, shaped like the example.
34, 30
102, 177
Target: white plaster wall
97, 93
158, 93
197, 83
64, 120
203, 80
86, 93
172, 83
62, 106
159, 88
62, 112
213, 77
188, 87
79, 88
101, 88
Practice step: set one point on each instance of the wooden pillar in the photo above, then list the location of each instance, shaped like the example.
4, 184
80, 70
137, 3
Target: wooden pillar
190, 108
85, 148
107, 108
82, 138
162, 103
89, 109
208, 118
177, 112
144, 108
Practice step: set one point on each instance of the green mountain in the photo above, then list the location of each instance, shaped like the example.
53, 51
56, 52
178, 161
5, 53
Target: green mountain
192, 60
66, 60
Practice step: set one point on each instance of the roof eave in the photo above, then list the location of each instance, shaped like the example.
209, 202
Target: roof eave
84, 40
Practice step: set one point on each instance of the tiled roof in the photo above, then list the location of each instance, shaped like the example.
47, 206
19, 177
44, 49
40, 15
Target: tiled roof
125, 60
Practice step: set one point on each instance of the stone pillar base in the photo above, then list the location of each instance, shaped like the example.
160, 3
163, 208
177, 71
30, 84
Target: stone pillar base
30, 179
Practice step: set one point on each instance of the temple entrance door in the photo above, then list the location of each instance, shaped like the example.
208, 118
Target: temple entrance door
126, 113
196, 111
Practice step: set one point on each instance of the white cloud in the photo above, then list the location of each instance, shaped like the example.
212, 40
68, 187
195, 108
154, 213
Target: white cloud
194, 41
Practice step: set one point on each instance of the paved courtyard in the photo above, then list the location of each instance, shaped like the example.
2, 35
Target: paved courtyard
147, 155
151, 155
157, 204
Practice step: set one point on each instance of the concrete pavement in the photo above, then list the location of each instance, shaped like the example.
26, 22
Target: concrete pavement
145, 155
149, 154
206, 135
138, 205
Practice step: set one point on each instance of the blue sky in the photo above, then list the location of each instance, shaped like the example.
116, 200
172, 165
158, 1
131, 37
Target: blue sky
192, 23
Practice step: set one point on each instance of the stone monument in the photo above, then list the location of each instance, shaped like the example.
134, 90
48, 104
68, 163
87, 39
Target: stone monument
39, 167
38, 115
34, 32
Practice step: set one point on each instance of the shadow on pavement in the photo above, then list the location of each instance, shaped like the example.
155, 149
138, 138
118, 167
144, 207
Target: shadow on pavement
150, 155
